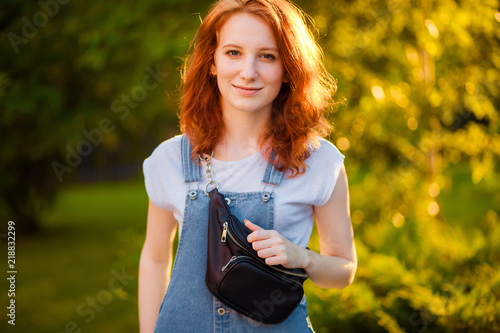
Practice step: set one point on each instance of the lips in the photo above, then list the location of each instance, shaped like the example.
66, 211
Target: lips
247, 91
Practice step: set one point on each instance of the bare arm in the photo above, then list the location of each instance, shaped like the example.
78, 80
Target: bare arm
335, 265
155, 264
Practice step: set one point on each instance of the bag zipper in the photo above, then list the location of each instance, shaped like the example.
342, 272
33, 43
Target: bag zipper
226, 231
258, 263
233, 258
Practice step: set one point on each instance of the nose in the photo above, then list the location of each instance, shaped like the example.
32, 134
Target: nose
249, 70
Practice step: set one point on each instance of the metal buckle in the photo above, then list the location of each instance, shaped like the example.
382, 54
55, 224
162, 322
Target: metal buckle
208, 172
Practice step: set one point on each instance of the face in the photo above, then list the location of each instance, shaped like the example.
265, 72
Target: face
247, 65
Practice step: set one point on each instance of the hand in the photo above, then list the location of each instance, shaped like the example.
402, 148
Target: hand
275, 248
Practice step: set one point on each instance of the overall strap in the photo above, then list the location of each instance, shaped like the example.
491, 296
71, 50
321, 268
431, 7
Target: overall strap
272, 176
190, 169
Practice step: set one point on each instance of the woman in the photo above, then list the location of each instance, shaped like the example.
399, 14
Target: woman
253, 84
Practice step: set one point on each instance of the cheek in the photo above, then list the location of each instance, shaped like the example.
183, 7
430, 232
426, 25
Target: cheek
276, 77
225, 68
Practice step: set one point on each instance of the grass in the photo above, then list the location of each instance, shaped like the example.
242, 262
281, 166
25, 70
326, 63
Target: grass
64, 272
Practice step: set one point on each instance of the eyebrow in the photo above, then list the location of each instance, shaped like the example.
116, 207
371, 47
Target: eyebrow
266, 48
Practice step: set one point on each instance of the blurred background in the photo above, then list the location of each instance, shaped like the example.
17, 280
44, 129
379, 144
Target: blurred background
88, 89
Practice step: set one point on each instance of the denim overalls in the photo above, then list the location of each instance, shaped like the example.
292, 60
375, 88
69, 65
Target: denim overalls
188, 306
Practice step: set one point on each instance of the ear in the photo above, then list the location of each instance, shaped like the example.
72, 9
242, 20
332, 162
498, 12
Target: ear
213, 70
285, 78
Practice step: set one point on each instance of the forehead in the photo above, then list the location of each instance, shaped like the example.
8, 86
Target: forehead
246, 29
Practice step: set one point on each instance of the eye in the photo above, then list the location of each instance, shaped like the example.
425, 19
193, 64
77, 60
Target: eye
233, 53
269, 56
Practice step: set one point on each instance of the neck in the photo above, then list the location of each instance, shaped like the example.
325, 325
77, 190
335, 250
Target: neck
242, 136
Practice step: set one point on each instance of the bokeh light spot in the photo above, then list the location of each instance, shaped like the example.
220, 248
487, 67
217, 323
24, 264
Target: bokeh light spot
343, 143
470, 88
378, 93
442, 83
357, 217
398, 220
434, 190
433, 208
412, 123
412, 55
433, 30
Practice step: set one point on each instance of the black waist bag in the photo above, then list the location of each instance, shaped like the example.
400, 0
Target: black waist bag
239, 278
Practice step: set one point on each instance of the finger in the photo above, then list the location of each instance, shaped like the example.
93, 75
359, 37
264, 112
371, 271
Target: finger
259, 235
253, 236
266, 253
252, 226
262, 244
274, 260
278, 260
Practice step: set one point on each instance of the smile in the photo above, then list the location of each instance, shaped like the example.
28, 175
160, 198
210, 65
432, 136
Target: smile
247, 91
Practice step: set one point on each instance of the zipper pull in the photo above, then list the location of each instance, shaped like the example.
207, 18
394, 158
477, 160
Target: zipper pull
233, 258
224, 232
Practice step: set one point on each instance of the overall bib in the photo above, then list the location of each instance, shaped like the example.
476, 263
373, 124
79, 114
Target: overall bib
188, 306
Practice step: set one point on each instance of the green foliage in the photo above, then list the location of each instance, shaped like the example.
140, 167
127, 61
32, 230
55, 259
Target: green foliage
420, 84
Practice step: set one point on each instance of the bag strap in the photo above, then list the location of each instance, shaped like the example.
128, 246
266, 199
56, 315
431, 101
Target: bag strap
192, 170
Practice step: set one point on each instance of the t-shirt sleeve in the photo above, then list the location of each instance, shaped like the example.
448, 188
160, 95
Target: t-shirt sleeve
153, 192
162, 174
327, 162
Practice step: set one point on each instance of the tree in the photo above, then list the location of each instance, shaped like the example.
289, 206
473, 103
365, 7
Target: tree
83, 83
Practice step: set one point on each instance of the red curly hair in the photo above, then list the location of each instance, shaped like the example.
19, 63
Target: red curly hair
298, 117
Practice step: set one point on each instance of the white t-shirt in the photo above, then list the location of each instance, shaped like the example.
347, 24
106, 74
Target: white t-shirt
294, 197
